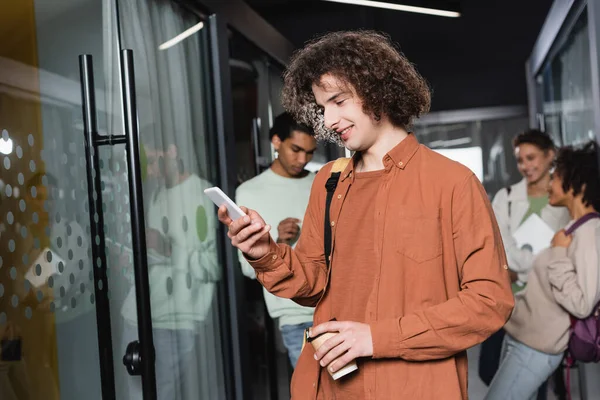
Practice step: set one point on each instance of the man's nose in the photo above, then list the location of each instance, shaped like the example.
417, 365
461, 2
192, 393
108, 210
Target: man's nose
302, 157
331, 118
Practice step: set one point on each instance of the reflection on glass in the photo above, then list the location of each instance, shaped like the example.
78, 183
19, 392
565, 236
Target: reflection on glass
181, 226
567, 88
49, 324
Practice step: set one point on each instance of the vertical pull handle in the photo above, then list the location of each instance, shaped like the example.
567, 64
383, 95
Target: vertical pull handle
99, 265
142, 285
541, 121
256, 140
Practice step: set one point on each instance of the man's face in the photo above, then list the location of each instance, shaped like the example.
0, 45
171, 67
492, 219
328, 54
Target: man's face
163, 165
171, 165
295, 152
152, 156
343, 113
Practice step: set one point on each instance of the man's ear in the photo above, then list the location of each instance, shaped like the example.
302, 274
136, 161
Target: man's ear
276, 142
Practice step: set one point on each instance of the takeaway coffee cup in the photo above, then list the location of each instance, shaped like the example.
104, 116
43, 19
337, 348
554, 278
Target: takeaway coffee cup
318, 341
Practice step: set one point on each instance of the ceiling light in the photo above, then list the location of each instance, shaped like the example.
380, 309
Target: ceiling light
6, 146
181, 36
400, 7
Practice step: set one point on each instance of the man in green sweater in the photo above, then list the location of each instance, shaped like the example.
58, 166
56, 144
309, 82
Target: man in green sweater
183, 272
280, 195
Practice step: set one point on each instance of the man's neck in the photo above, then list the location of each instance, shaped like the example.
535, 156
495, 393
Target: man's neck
278, 169
372, 158
180, 179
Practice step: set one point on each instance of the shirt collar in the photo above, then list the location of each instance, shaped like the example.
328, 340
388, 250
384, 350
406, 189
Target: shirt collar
399, 156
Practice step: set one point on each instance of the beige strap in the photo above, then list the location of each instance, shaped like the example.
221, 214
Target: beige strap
340, 164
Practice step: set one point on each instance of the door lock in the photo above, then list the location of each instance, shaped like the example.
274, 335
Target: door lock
133, 359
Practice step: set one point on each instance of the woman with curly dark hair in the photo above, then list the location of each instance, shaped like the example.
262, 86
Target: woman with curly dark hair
417, 273
564, 281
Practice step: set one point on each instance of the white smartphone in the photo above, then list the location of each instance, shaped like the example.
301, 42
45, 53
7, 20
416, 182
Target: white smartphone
219, 198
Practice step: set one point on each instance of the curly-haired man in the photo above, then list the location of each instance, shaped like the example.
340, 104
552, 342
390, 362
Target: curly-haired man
417, 273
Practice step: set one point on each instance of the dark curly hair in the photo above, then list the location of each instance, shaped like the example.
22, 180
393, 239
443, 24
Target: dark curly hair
540, 139
578, 169
284, 124
383, 78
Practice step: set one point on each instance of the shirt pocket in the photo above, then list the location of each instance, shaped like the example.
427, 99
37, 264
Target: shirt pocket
418, 234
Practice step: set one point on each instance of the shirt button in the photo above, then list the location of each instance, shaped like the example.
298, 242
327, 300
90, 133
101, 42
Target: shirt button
505, 266
274, 257
339, 196
400, 163
332, 223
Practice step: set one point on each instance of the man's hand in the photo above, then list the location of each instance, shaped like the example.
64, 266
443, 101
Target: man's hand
158, 242
250, 234
288, 230
561, 239
353, 340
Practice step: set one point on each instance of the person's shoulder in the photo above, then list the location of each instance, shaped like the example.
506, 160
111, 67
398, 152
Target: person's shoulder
198, 181
501, 195
590, 229
310, 177
259, 182
325, 172
193, 184
443, 168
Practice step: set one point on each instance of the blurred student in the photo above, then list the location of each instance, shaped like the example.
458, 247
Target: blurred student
280, 195
564, 282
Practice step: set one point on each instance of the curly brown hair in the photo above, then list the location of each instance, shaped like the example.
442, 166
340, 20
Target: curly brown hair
383, 78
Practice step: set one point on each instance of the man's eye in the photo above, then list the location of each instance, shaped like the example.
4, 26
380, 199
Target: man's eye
340, 102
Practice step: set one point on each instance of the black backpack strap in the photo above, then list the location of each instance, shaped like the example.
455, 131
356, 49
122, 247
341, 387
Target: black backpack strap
331, 185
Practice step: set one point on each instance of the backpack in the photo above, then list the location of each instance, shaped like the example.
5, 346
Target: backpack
336, 170
584, 338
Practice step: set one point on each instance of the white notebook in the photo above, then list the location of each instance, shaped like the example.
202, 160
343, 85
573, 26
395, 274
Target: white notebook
534, 234
42, 269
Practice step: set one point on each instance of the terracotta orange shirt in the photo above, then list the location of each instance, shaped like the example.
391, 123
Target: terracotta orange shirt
353, 279
438, 285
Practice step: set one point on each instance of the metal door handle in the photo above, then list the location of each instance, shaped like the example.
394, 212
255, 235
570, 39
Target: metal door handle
132, 360
88, 103
138, 238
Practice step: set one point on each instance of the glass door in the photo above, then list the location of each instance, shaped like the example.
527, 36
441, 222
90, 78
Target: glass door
95, 265
54, 334
185, 275
564, 85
